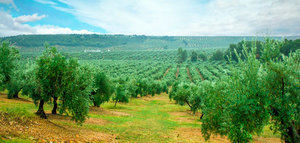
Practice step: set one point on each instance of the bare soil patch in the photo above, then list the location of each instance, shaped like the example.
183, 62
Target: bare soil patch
41, 130
189, 74
177, 73
101, 111
3, 97
167, 71
201, 76
185, 117
194, 135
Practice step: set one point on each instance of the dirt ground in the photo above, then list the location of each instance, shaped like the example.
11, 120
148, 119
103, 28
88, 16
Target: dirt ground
147, 119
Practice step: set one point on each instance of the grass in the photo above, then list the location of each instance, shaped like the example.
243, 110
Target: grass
18, 112
147, 119
147, 123
16, 141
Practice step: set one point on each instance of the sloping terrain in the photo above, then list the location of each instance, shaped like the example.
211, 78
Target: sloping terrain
147, 119
81, 42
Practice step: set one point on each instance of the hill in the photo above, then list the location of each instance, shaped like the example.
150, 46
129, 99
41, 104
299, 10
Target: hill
79, 43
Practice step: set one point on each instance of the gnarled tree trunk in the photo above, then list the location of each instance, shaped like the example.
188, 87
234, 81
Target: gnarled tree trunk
41, 111
54, 105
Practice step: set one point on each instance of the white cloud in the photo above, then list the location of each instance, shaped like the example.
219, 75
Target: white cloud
10, 26
189, 17
29, 18
50, 29
46, 2
9, 2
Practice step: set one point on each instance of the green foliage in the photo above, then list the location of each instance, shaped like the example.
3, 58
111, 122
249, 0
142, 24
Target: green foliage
202, 56
289, 46
50, 73
217, 56
31, 87
81, 42
8, 58
18, 80
198, 95
236, 104
238, 48
182, 93
181, 55
120, 94
1, 81
285, 48
271, 50
75, 98
62, 80
132, 88
241, 104
102, 89
282, 86
194, 56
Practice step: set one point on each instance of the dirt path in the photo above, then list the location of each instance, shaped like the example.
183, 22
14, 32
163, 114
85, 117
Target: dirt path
200, 74
189, 74
167, 71
177, 73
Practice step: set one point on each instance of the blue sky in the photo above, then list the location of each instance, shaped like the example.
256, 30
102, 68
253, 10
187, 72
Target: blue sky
53, 16
150, 17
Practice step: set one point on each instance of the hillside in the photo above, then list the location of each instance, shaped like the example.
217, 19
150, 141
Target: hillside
79, 43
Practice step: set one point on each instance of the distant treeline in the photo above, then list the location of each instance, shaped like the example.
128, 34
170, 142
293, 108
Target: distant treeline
125, 42
286, 47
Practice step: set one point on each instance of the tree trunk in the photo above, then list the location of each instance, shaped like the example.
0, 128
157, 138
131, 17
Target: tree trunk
188, 104
41, 111
116, 103
292, 135
92, 98
201, 116
54, 105
95, 105
16, 95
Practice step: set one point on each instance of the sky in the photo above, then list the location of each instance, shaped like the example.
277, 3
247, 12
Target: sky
151, 17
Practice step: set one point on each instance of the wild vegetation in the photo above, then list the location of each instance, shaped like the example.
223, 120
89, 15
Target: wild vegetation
249, 90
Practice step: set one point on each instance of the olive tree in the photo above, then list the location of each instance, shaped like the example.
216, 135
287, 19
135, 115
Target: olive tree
1, 81
61, 80
75, 98
102, 89
236, 106
194, 56
186, 94
50, 74
198, 96
120, 94
8, 59
32, 88
256, 92
18, 80
282, 87
132, 88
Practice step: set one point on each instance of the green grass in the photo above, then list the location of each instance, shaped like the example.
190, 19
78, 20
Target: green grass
147, 121
17, 112
138, 121
16, 141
